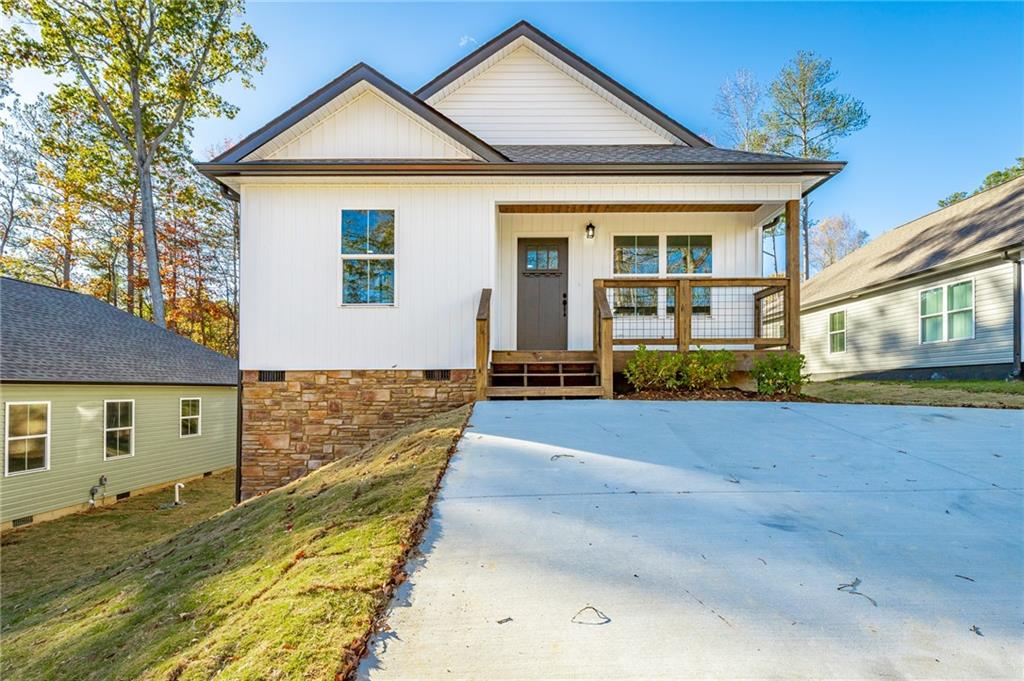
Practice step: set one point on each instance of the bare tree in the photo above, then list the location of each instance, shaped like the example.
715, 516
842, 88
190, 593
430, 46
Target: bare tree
833, 238
740, 104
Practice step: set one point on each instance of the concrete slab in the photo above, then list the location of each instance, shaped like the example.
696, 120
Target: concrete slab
713, 540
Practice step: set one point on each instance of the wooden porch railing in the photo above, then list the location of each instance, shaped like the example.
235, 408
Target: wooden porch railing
603, 341
483, 343
684, 313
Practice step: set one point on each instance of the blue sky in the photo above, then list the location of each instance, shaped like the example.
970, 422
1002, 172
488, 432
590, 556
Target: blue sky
943, 82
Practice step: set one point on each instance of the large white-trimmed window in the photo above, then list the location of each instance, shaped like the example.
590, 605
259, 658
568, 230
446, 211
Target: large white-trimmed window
947, 312
837, 332
367, 257
118, 428
662, 256
26, 437
190, 414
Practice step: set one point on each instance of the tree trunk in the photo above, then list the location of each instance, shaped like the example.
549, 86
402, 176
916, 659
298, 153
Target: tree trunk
156, 292
130, 257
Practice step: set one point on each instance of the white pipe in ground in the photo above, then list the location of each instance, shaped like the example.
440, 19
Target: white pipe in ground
177, 490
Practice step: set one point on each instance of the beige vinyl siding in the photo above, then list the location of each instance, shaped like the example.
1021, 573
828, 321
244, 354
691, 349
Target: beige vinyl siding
525, 99
446, 251
370, 126
882, 330
76, 443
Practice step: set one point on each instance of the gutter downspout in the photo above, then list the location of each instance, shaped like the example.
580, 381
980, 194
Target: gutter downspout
1017, 293
238, 385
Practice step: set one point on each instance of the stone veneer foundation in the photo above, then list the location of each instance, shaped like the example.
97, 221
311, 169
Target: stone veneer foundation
294, 426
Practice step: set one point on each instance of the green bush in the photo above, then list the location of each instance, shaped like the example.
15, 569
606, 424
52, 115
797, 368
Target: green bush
781, 372
654, 369
708, 369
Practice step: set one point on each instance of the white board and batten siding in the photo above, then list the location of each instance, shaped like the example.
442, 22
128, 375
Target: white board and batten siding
362, 123
524, 98
448, 247
883, 329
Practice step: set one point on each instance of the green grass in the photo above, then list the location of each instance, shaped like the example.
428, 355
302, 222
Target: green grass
1000, 394
283, 586
36, 560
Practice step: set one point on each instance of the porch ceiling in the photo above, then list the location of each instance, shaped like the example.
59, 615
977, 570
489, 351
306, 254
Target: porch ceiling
628, 207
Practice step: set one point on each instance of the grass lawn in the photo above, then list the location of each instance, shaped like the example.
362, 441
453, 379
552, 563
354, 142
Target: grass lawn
284, 586
936, 393
36, 562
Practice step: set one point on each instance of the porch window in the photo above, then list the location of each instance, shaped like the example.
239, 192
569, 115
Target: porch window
368, 257
27, 437
690, 254
119, 428
837, 332
947, 312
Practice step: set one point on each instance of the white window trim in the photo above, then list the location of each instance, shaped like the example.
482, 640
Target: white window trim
8, 438
846, 323
342, 257
105, 430
662, 272
199, 417
945, 312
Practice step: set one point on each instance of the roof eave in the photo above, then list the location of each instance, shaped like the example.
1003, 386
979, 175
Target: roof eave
880, 287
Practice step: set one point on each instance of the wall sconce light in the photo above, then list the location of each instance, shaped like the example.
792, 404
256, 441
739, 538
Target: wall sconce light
590, 230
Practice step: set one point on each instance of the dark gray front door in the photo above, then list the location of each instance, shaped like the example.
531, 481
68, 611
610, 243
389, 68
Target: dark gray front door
543, 294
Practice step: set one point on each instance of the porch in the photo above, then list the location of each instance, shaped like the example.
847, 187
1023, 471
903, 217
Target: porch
749, 315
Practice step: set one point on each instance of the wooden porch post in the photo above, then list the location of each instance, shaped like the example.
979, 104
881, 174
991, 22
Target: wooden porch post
793, 273
483, 343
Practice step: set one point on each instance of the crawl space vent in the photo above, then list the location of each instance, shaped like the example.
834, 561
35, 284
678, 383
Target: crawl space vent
438, 374
271, 376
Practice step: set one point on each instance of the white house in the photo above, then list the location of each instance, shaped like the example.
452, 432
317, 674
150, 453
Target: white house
510, 229
938, 295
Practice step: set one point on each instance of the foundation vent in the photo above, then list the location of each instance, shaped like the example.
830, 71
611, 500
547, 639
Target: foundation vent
123, 495
271, 376
21, 522
438, 374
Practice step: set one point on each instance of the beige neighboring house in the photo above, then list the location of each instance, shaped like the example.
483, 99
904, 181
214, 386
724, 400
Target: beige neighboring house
99, 404
937, 296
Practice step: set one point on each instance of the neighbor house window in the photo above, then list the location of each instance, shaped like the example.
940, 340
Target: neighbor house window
368, 257
837, 332
947, 312
119, 428
190, 413
27, 437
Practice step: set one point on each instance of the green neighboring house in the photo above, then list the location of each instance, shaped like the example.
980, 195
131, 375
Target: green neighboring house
99, 404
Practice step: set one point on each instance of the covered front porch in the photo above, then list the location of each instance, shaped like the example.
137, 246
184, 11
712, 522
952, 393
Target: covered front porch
580, 286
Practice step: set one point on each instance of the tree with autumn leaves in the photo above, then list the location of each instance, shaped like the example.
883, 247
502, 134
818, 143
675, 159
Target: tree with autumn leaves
96, 189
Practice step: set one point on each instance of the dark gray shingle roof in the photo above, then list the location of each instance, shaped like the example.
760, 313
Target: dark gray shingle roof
57, 336
984, 223
635, 153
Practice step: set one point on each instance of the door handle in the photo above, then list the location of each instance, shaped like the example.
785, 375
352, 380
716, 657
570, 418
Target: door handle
565, 304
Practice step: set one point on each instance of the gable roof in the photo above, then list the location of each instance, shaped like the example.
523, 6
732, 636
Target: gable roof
524, 29
51, 335
986, 223
359, 73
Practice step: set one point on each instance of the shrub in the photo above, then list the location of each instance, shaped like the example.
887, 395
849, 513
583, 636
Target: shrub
708, 369
654, 369
781, 372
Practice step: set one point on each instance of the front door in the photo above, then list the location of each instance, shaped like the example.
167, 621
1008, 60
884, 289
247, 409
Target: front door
543, 266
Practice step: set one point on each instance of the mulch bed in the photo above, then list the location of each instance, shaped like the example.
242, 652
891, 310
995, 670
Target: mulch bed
723, 395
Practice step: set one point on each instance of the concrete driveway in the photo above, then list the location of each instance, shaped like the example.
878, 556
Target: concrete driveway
599, 540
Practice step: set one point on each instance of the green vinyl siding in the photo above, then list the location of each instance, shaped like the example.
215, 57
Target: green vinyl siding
77, 442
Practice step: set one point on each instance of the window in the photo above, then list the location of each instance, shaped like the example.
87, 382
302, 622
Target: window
368, 257
684, 254
542, 258
119, 428
837, 332
27, 437
190, 414
947, 312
